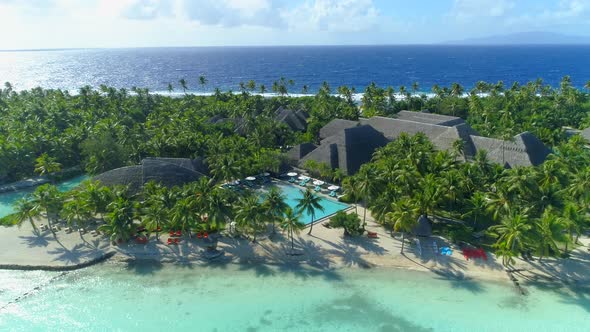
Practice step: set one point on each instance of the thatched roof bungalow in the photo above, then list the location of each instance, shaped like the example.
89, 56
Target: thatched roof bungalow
168, 172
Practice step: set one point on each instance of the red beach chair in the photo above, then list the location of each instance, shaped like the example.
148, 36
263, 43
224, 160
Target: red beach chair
170, 241
171, 233
372, 235
178, 233
205, 235
199, 235
176, 241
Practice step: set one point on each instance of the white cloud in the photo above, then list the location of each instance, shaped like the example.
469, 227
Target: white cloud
467, 10
333, 15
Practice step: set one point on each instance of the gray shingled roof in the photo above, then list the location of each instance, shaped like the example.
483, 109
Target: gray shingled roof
523, 150
442, 137
348, 149
430, 118
166, 171
296, 120
335, 126
300, 151
341, 147
586, 134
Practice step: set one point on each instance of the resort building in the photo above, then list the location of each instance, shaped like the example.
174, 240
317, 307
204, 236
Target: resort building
348, 144
168, 172
296, 120
586, 134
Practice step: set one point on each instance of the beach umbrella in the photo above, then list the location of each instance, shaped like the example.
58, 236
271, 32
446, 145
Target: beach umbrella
304, 177
250, 178
265, 174
292, 174
318, 182
333, 188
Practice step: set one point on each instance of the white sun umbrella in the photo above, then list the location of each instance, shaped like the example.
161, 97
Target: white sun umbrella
292, 174
318, 182
303, 177
265, 174
333, 188
250, 178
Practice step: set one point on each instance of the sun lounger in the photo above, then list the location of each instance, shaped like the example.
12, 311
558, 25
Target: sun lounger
372, 235
317, 188
176, 241
332, 193
170, 240
178, 233
171, 233
68, 230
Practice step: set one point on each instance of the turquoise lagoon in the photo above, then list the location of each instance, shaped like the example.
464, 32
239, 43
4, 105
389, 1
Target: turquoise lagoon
7, 199
293, 194
147, 297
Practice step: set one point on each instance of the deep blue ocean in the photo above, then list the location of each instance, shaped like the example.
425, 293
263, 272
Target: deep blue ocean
358, 66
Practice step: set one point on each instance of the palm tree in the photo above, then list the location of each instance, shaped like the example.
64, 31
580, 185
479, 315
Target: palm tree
292, 225
154, 216
575, 220
26, 210
404, 217
170, 88
217, 208
366, 186
458, 148
587, 86
183, 215
96, 197
309, 203
262, 88
349, 186
119, 219
248, 214
45, 164
48, 198
304, 89
550, 231
77, 212
202, 81
274, 205
183, 85
514, 235
476, 208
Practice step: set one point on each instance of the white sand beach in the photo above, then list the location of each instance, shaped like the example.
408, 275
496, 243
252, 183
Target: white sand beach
323, 249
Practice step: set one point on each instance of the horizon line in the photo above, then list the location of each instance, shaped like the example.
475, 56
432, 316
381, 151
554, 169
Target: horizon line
441, 44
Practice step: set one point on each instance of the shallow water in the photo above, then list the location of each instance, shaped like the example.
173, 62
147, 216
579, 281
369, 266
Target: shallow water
109, 297
8, 199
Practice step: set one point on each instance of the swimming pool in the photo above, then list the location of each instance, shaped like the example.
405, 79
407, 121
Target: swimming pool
7, 199
293, 194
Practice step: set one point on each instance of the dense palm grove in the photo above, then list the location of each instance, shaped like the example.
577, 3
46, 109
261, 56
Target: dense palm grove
530, 210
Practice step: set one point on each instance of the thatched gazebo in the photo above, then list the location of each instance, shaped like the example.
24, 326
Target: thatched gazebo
423, 227
168, 172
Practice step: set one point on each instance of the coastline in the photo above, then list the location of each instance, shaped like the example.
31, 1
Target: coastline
324, 250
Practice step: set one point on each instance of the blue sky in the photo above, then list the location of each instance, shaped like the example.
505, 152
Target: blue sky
133, 23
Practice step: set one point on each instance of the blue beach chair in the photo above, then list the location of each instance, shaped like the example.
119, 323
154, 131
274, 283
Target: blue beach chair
332, 193
317, 188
